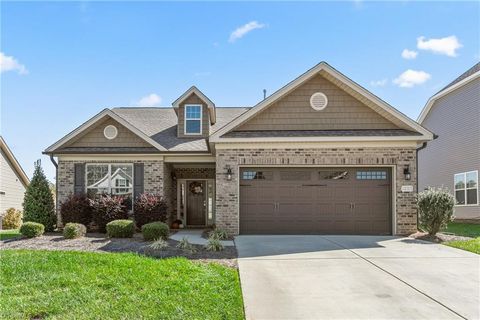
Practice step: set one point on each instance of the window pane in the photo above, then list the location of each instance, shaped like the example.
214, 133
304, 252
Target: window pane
192, 126
193, 112
472, 196
122, 178
459, 181
97, 176
472, 179
460, 196
371, 175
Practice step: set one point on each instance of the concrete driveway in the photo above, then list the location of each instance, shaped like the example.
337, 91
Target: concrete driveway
356, 277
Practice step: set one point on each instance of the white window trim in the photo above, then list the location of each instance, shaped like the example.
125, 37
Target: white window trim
110, 187
185, 120
465, 189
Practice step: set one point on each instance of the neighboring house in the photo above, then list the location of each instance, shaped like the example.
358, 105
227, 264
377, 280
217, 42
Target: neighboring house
453, 159
13, 180
320, 155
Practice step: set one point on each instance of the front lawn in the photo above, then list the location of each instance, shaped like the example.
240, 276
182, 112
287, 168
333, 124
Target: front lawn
463, 229
469, 245
8, 234
85, 285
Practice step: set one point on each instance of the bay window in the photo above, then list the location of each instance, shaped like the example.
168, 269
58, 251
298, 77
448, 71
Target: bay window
466, 188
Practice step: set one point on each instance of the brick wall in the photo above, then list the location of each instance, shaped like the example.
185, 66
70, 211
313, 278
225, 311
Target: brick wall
228, 191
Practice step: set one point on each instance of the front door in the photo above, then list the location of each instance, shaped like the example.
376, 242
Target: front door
196, 202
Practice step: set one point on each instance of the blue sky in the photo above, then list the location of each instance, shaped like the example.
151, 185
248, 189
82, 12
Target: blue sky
63, 62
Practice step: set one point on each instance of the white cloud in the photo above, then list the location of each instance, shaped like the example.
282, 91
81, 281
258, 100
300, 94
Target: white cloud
9, 63
411, 78
447, 46
240, 32
409, 54
379, 83
150, 100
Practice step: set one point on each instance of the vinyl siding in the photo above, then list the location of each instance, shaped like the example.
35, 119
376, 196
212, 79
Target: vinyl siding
193, 99
11, 184
455, 118
293, 112
94, 137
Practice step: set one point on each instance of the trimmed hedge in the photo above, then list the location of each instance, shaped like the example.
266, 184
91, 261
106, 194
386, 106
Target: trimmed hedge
74, 230
32, 229
121, 229
155, 230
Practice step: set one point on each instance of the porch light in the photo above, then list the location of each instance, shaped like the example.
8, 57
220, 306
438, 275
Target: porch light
406, 172
229, 173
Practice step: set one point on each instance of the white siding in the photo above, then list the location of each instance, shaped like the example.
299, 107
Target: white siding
11, 185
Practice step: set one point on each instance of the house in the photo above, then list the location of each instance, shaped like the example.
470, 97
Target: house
453, 159
13, 180
320, 155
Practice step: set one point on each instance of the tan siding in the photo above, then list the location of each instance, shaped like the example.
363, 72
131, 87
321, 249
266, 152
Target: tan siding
95, 138
455, 118
193, 99
11, 185
293, 112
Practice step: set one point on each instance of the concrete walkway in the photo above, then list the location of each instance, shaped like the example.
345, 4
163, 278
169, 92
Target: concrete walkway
356, 277
194, 236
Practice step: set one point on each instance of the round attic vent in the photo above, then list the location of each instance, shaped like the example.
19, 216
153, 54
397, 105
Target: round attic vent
318, 101
110, 132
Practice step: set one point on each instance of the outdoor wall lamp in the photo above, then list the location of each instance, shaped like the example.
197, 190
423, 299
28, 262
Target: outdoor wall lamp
229, 173
406, 172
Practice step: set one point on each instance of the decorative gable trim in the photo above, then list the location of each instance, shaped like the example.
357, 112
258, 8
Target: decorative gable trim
104, 113
325, 68
443, 93
210, 105
16, 165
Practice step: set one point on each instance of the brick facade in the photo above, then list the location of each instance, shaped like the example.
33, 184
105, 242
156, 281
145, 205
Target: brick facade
227, 192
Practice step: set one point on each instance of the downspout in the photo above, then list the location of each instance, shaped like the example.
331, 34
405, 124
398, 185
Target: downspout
56, 185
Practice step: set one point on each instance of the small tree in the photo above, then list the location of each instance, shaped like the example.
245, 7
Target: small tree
435, 206
38, 205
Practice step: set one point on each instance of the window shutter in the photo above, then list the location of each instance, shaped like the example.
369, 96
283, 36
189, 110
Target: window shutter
137, 179
79, 178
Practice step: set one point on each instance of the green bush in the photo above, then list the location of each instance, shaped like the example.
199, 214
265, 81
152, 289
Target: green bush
435, 208
219, 234
155, 230
32, 229
120, 229
12, 219
38, 203
214, 244
74, 230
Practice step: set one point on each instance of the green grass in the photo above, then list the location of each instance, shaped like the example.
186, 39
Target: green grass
8, 234
469, 245
464, 229
85, 285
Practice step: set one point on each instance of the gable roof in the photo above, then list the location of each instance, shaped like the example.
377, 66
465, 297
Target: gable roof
195, 90
16, 165
465, 78
347, 84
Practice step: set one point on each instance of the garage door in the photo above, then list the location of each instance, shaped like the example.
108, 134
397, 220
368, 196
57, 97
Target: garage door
315, 201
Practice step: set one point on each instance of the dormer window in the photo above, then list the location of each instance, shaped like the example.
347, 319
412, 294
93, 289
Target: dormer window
193, 119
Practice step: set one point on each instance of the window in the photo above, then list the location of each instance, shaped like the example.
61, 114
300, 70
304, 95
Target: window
466, 188
257, 175
371, 175
193, 119
114, 179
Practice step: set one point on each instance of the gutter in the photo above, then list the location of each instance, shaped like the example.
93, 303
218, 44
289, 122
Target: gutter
52, 159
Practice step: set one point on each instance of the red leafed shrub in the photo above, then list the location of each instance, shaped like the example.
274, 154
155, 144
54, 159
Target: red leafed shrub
106, 208
149, 208
77, 209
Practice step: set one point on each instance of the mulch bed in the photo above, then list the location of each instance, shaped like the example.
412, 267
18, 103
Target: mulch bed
438, 238
98, 242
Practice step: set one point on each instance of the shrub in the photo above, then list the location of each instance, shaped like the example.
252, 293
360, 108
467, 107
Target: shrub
12, 219
38, 203
149, 208
74, 230
185, 245
154, 231
435, 206
107, 208
159, 244
214, 244
120, 229
219, 234
76, 208
32, 229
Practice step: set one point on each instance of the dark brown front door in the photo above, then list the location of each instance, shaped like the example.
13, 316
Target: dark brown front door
196, 197
315, 201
